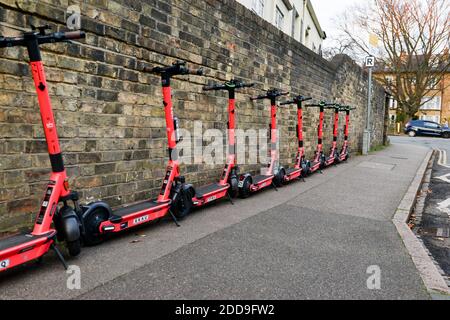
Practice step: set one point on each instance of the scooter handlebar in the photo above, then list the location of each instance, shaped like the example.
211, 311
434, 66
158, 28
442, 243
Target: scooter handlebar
287, 102
195, 72
271, 94
295, 100
177, 68
228, 85
41, 38
258, 97
322, 104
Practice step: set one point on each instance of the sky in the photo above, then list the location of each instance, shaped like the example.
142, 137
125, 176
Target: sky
326, 10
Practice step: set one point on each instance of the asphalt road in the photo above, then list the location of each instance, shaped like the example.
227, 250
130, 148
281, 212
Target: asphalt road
434, 227
311, 240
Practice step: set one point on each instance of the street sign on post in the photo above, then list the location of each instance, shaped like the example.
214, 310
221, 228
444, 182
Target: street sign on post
370, 63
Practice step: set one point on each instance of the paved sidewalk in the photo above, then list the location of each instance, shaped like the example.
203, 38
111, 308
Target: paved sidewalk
312, 240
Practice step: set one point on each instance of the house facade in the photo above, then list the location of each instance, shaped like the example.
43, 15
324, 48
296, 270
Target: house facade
436, 105
294, 17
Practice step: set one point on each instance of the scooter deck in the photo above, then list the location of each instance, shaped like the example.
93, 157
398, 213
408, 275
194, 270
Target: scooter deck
133, 215
315, 166
19, 249
22, 239
260, 182
140, 206
329, 161
292, 174
209, 193
210, 188
292, 171
261, 178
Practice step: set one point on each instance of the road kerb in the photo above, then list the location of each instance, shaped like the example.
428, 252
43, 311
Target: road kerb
429, 273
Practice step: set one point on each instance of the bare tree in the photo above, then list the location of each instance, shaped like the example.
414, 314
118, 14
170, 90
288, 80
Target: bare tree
414, 55
340, 45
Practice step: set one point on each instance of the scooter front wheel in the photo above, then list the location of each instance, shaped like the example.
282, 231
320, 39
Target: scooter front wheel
279, 178
234, 187
244, 190
182, 204
74, 247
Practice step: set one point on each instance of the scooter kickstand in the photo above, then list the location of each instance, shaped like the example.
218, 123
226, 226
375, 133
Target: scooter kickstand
59, 255
276, 189
174, 218
229, 198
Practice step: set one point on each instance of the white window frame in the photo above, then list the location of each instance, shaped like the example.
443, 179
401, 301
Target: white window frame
258, 7
434, 104
279, 18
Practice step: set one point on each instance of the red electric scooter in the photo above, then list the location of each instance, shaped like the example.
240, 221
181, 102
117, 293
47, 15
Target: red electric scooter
19, 249
301, 164
228, 184
318, 163
273, 175
345, 151
174, 198
334, 158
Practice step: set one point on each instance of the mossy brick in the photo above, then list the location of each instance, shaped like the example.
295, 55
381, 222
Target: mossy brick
89, 157
26, 205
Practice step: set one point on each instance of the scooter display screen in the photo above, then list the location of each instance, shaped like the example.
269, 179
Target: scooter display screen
44, 206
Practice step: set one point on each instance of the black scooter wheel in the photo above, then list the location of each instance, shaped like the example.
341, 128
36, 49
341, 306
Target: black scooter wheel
244, 191
91, 223
306, 169
347, 155
278, 180
234, 187
183, 203
336, 157
74, 247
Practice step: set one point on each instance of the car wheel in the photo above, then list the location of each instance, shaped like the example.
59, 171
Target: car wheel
446, 135
412, 133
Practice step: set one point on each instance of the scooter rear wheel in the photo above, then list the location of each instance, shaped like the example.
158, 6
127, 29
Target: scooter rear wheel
92, 235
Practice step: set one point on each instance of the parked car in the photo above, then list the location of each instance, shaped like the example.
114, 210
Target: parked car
427, 128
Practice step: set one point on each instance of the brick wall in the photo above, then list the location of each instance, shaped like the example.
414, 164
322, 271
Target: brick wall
109, 115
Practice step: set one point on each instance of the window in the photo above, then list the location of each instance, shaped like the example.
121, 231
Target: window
301, 31
279, 19
432, 125
258, 7
436, 119
389, 80
433, 104
432, 83
295, 17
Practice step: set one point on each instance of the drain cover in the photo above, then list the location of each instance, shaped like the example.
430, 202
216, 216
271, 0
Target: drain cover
376, 165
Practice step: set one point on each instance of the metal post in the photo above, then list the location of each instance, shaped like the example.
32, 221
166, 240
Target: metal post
369, 100
366, 136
